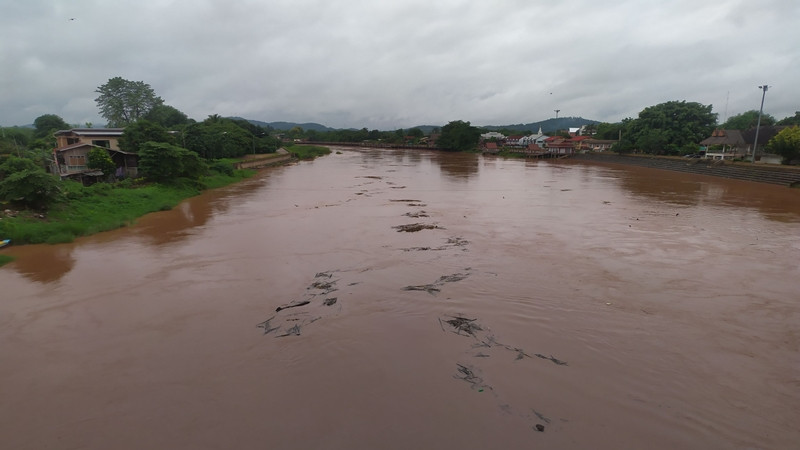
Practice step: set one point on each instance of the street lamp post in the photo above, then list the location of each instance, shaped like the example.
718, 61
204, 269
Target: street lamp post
758, 123
254, 141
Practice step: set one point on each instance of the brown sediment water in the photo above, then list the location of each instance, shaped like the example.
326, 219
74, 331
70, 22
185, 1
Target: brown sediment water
408, 299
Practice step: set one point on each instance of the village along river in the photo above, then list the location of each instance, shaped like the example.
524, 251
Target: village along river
408, 299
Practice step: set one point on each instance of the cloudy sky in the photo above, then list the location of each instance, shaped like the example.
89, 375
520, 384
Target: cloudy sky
386, 64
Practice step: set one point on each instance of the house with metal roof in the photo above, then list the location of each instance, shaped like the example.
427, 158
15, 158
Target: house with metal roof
70, 157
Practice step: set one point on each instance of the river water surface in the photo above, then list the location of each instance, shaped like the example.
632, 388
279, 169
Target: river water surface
533, 305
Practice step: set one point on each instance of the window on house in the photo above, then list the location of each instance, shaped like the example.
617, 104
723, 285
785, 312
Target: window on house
71, 141
77, 160
104, 143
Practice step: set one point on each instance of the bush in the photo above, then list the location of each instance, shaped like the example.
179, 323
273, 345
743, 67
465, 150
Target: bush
165, 163
99, 160
222, 167
31, 188
786, 144
13, 164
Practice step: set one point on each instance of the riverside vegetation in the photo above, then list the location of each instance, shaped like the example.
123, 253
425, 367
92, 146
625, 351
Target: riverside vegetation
84, 210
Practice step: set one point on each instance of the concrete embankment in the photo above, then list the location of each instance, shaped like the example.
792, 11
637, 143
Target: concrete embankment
259, 161
781, 175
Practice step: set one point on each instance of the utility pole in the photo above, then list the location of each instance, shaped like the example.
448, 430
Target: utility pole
758, 123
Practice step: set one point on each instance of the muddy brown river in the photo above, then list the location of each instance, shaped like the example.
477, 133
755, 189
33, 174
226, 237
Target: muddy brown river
382, 299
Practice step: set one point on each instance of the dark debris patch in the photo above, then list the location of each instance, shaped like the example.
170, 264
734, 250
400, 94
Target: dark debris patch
286, 324
436, 287
553, 359
267, 326
414, 227
468, 374
294, 304
462, 325
429, 288
449, 244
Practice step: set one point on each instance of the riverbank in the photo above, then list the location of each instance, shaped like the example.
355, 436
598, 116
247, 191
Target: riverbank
103, 207
86, 210
782, 175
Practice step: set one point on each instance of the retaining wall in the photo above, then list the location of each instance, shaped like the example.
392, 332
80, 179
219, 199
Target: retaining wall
774, 175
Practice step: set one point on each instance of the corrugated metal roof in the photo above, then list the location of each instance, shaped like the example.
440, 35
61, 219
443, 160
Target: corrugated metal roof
92, 132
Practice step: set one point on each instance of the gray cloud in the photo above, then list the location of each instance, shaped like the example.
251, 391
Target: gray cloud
382, 64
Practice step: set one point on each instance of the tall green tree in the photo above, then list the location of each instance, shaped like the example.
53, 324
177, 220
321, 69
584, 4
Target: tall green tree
669, 128
123, 102
48, 124
140, 132
167, 116
218, 138
608, 130
791, 120
164, 163
786, 144
459, 136
747, 120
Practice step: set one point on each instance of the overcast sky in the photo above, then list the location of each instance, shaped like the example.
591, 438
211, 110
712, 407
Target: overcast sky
387, 64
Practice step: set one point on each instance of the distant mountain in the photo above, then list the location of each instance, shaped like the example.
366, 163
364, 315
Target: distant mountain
548, 126
286, 126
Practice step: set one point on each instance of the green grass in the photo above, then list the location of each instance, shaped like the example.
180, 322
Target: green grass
216, 180
307, 151
101, 207
5, 259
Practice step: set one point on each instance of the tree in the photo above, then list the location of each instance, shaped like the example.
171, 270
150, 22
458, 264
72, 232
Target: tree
26, 184
787, 144
167, 116
162, 162
747, 120
791, 120
98, 159
679, 124
459, 136
47, 124
123, 102
140, 132
608, 131
416, 133
219, 138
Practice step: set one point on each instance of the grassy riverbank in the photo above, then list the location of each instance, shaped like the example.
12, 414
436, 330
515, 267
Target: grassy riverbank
87, 210
307, 151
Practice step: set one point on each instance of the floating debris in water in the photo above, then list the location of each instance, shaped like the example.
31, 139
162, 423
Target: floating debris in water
463, 325
551, 358
468, 374
435, 287
292, 305
414, 227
